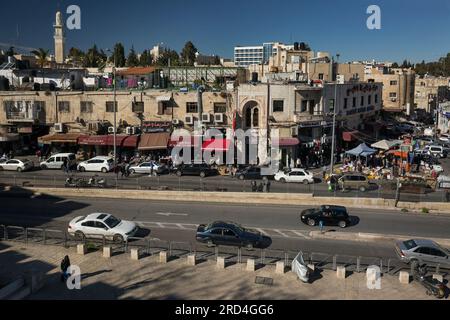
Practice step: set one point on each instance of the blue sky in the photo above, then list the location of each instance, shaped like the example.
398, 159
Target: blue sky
415, 29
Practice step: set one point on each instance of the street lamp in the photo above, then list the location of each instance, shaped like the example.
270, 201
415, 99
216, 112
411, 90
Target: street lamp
333, 142
115, 115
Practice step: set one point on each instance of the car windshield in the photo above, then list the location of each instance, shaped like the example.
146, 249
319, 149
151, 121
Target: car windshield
410, 244
112, 222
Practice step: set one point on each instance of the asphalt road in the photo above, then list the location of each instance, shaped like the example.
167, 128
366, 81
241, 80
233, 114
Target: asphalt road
177, 221
56, 178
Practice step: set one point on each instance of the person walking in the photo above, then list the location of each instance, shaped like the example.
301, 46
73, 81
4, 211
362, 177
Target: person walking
65, 264
65, 164
254, 186
324, 172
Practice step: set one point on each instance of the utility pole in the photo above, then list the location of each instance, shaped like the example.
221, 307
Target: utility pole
333, 142
115, 115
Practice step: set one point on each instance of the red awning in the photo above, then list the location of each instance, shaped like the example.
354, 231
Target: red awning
350, 136
121, 141
287, 142
182, 142
217, 145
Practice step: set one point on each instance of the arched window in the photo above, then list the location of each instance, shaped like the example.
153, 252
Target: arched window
255, 120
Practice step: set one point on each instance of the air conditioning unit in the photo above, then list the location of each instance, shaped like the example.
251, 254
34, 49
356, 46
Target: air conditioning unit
219, 118
110, 129
394, 99
206, 118
189, 120
175, 122
130, 131
294, 131
59, 127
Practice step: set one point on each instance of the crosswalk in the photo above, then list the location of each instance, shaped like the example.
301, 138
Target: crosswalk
273, 233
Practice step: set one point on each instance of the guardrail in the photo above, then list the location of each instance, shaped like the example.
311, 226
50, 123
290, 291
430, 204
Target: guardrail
237, 255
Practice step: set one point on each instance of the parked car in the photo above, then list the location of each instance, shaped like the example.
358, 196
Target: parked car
17, 165
146, 168
56, 161
202, 170
422, 252
231, 234
97, 164
436, 151
252, 173
295, 175
354, 181
99, 225
329, 215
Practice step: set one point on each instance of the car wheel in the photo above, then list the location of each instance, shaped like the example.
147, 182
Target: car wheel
202, 174
305, 182
283, 180
179, 173
104, 170
311, 222
19, 169
44, 167
118, 238
82, 169
362, 189
241, 177
132, 171
80, 236
342, 224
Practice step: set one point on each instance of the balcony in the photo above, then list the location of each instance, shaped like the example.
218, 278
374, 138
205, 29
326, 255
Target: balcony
25, 117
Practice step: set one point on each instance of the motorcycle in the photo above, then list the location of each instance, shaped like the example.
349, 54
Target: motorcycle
71, 182
433, 286
96, 182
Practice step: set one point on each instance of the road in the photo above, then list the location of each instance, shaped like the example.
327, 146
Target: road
177, 221
56, 178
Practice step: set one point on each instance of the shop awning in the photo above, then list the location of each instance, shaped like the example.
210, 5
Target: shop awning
362, 150
286, 142
185, 142
121, 141
154, 141
9, 137
216, 145
60, 138
350, 136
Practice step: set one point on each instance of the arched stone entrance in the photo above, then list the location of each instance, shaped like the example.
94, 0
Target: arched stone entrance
251, 112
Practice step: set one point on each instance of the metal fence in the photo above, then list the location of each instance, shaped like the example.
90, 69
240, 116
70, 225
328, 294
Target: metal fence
233, 255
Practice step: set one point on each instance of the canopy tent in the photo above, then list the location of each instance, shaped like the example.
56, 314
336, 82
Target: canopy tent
386, 145
362, 150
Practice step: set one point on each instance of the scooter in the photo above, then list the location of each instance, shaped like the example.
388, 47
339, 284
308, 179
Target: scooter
75, 183
433, 286
97, 183
300, 268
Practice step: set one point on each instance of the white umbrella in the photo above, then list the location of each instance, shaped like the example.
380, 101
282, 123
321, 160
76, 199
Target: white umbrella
386, 145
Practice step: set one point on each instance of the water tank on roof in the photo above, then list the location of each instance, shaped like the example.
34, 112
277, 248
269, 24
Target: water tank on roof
296, 46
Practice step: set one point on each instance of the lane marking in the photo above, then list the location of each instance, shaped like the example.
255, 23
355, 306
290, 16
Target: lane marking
170, 214
261, 231
180, 226
279, 232
300, 234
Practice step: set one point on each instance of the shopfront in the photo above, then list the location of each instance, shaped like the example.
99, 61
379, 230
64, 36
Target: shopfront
104, 145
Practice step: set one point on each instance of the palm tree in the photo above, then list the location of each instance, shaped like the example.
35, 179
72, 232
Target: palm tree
41, 55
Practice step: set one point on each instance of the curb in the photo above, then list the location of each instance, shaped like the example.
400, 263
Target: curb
370, 237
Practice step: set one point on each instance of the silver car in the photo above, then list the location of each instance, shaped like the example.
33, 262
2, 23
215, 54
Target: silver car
422, 252
17, 165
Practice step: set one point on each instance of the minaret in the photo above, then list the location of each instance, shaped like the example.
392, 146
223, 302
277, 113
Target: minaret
59, 39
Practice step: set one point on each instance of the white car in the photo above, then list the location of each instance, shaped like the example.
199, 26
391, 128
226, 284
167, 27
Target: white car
145, 168
99, 225
438, 168
445, 137
16, 165
295, 175
97, 164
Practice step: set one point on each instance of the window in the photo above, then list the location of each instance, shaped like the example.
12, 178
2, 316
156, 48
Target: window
304, 106
354, 102
39, 105
345, 103
312, 105
362, 101
393, 83
217, 231
220, 107
376, 98
138, 107
278, 105
165, 107
393, 95
110, 106
369, 99
331, 104
256, 118
191, 107
86, 107
228, 233
89, 224
423, 251
64, 106
437, 253
320, 76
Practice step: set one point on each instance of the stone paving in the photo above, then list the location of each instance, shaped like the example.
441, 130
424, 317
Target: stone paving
121, 278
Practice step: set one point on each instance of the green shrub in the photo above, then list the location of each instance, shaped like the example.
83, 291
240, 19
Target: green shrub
425, 210
405, 210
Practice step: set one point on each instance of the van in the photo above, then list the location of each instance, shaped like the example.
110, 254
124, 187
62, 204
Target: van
435, 151
56, 161
354, 181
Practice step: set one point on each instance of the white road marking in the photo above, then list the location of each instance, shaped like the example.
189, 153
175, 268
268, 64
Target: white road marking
279, 232
180, 226
169, 214
299, 234
160, 225
262, 231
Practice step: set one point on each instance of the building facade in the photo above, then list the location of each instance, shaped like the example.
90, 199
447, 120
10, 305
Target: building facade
248, 55
429, 89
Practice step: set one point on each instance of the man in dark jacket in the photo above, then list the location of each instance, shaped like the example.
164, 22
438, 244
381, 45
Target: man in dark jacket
65, 264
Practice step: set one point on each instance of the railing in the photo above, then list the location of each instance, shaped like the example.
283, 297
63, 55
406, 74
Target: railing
237, 255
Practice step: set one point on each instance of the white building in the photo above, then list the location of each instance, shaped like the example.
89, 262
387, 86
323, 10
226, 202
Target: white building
247, 55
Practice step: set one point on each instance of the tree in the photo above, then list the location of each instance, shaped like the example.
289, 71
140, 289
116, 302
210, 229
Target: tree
10, 52
395, 65
94, 58
188, 54
77, 56
42, 56
132, 60
146, 59
168, 55
119, 55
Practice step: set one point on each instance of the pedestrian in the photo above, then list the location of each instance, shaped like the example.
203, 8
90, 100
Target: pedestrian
268, 186
324, 172
39, 154
10, 154
65, 164
152, 164
254, 186
447, 196
65, 264
299, 163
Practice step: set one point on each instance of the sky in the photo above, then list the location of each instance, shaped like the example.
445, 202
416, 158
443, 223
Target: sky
410, 29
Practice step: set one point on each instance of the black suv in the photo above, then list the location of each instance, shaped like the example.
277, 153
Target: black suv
329, 215
201, 170
252, 173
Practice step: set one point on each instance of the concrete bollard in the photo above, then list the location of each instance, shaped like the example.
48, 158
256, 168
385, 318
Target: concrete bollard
107, 252
221, 262
163, 257
438, 277
404, 277
135, 254
251, 265
81, 249
192, 260
341, 273
280, 267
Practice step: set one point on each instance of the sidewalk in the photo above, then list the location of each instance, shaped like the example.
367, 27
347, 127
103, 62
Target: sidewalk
121, 278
